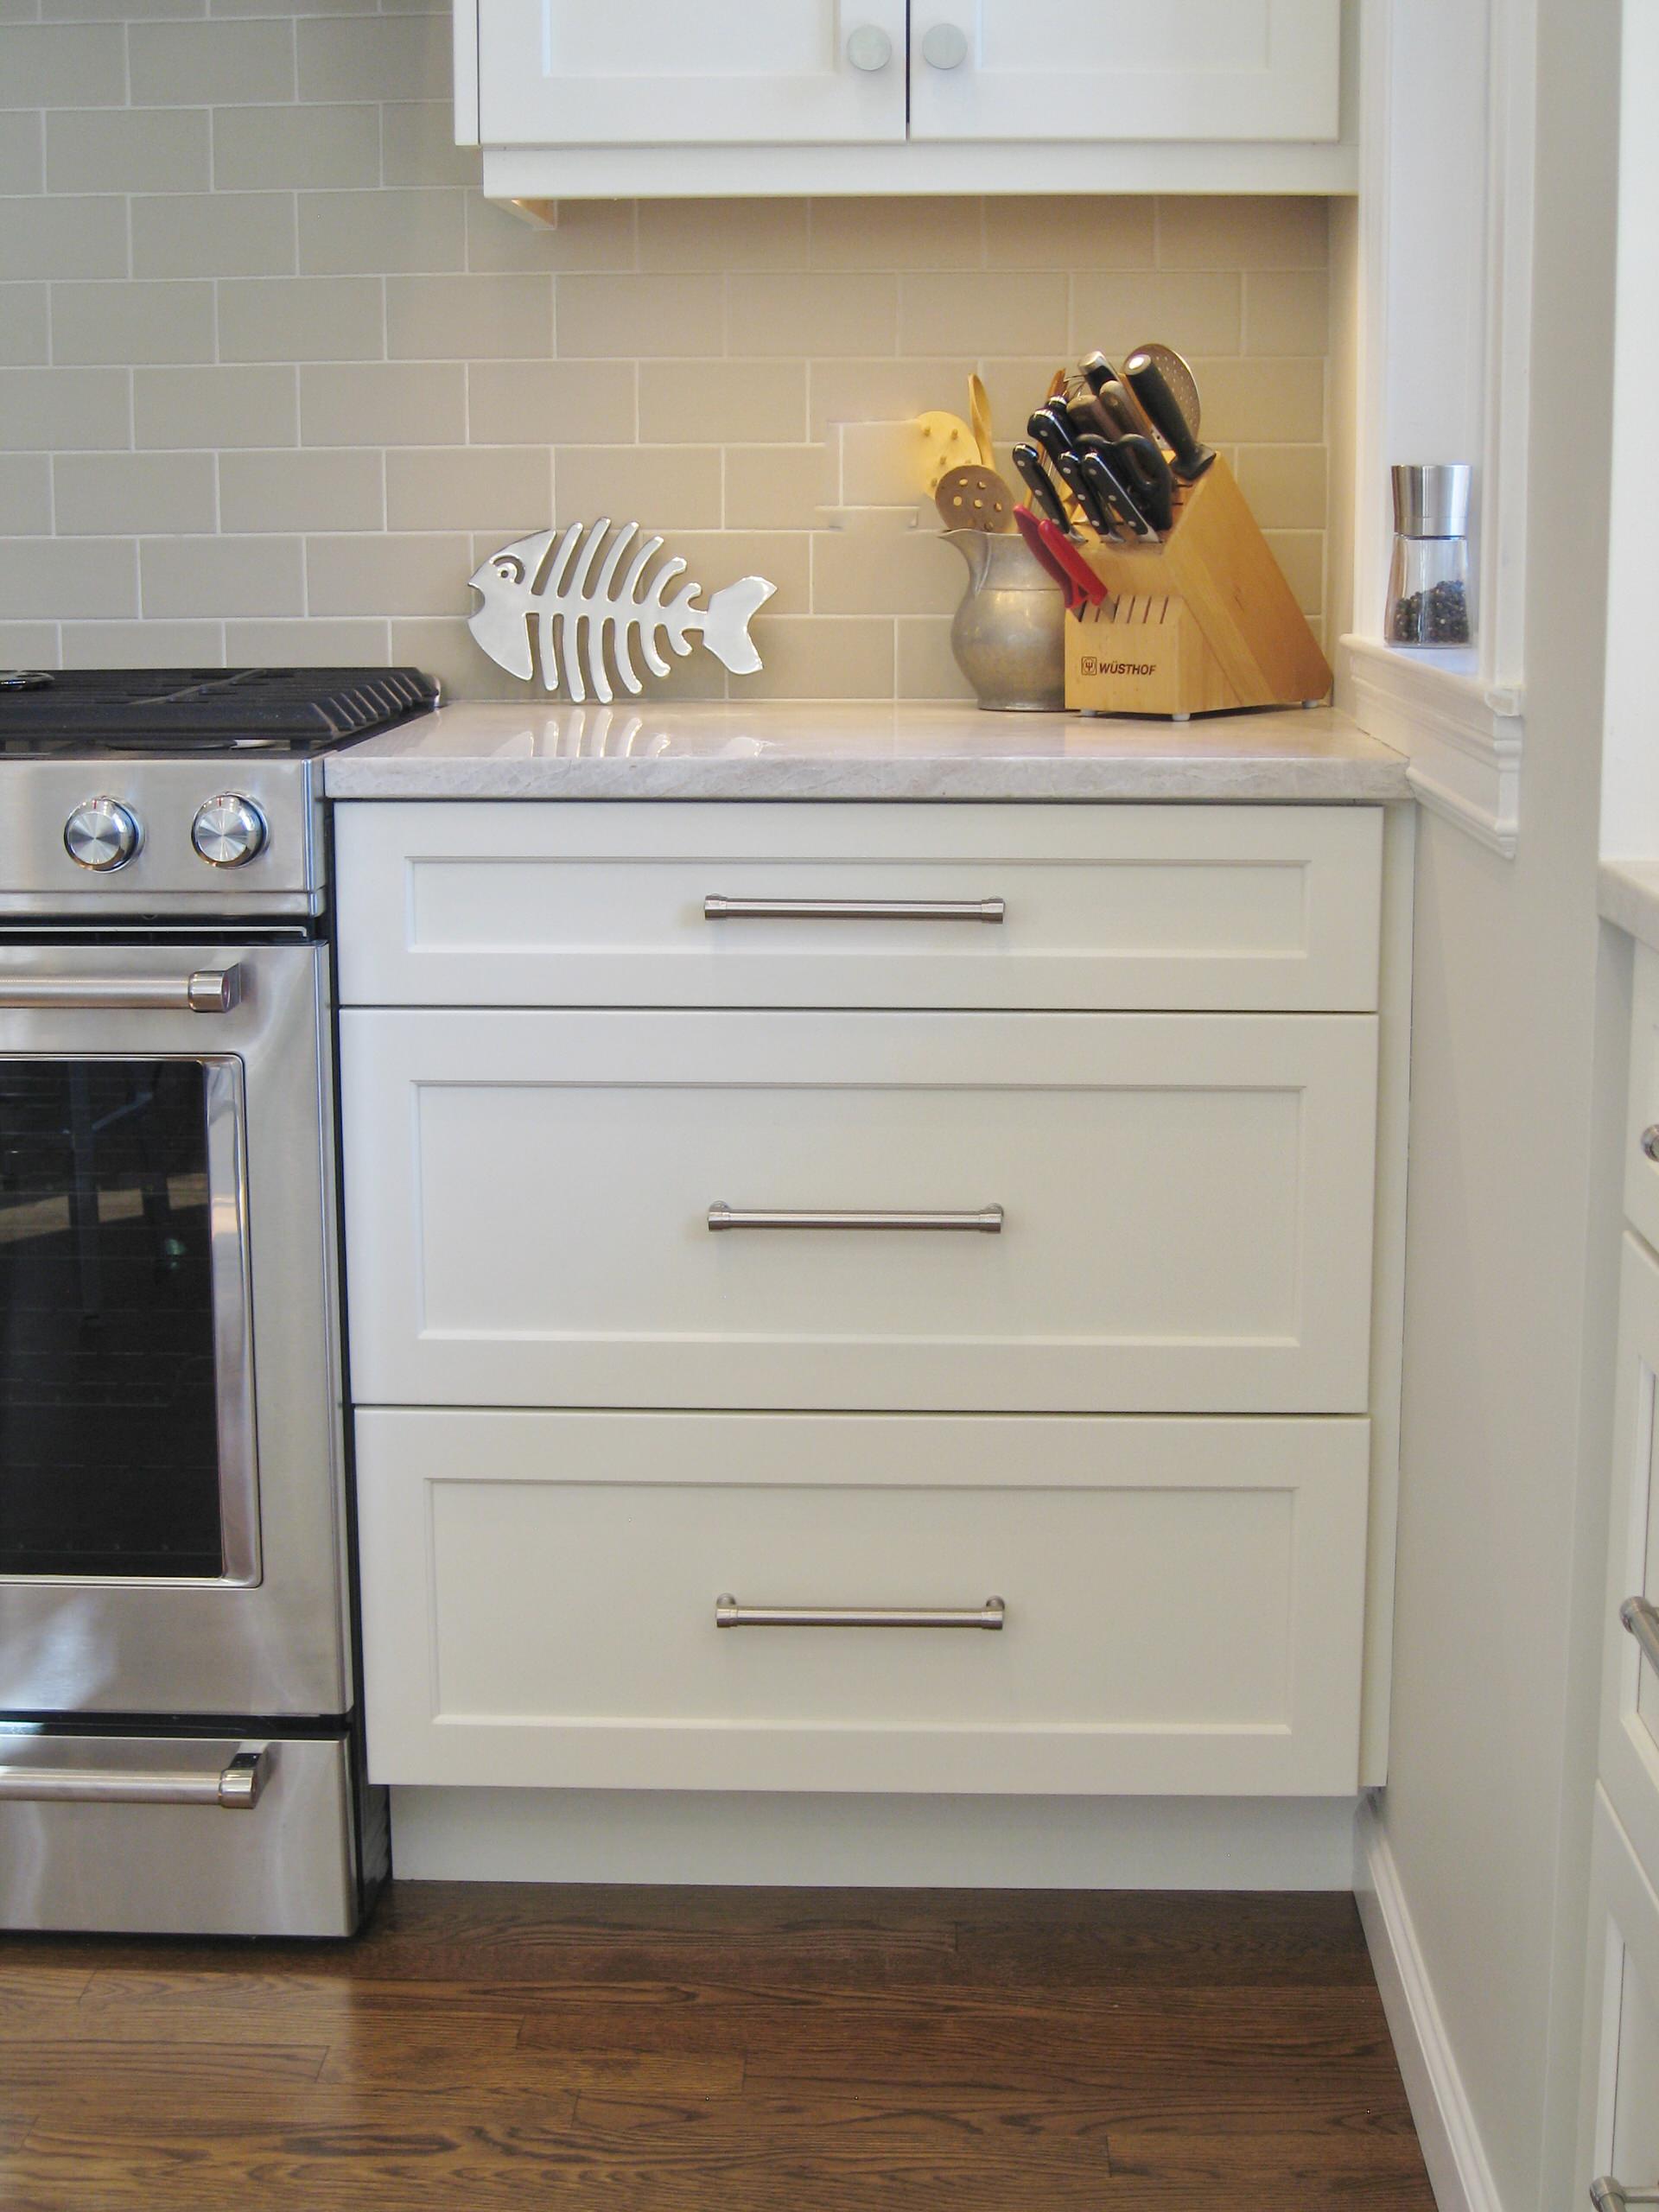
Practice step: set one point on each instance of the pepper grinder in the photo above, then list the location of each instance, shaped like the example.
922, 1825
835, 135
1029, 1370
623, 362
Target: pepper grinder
1428, 577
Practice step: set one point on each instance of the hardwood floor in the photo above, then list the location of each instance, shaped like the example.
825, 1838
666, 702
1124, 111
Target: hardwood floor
717, 2051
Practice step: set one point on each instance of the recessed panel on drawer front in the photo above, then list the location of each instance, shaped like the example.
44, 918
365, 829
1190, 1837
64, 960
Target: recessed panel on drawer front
1137, 907
1630, 1706
1180, 1601
1642, 1132
1162, 1213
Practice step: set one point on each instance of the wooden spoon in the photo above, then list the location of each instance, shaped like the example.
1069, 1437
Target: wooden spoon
979, 413
947, 444
975, 499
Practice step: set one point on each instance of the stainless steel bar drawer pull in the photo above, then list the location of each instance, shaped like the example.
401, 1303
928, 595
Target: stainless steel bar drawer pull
237, 1787
729, 1614
1610, 2196
716, 909
1643, 1621
987, 1220
208, 990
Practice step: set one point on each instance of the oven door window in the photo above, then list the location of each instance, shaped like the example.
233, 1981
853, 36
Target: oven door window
126, 1425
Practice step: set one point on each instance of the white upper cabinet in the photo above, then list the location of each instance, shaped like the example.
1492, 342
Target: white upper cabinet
1168, 69
644, 97
728, 73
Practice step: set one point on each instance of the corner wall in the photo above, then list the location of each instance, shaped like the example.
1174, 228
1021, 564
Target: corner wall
1504, 1471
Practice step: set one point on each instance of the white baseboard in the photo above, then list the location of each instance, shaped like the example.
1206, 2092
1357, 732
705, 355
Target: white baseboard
1458, 2171
775, 1838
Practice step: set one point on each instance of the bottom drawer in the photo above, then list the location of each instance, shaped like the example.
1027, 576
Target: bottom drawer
176, 1836
1182, 1601
1621, 2078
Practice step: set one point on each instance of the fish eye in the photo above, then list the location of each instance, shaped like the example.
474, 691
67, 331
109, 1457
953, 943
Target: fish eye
510, 570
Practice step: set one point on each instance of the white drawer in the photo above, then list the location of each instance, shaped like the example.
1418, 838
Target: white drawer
1630, 1701
1642, 1172
1136, 907
1186, 1204
1619, 2133
1183, 1602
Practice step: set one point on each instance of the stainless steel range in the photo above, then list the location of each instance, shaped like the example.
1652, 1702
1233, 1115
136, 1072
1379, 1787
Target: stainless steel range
178, 1743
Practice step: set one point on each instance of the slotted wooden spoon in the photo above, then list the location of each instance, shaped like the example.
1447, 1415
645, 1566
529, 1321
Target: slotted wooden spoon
975, 499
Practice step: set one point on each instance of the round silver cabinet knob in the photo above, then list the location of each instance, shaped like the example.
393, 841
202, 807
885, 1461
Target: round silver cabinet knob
1650, 1144
945, 45
101, 834
869, 48
229, 831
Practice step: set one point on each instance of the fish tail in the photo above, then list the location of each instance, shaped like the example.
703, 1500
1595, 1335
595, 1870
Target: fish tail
726, 625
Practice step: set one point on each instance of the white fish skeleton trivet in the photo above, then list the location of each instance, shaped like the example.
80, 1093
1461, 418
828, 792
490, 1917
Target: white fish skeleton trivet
546, 585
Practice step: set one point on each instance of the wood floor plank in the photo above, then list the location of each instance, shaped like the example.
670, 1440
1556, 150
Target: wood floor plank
489, 2046
78, 2064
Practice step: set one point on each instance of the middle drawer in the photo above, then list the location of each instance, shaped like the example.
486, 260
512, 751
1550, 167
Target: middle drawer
1123, 1212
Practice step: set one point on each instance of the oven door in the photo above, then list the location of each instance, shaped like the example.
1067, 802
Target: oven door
169, 1401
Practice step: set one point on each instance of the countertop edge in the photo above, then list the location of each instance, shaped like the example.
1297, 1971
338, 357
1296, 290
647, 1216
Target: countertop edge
1262, 780
1627, 895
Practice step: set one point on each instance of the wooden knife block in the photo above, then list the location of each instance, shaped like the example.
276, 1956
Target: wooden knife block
1202, 623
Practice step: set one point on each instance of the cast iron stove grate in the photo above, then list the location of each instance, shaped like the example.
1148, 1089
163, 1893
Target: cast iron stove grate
165, 710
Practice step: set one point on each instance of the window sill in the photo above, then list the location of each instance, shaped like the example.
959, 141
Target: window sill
1461, 737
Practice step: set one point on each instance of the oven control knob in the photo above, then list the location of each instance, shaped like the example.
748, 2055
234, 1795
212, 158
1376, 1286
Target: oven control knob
102, 834
229, 831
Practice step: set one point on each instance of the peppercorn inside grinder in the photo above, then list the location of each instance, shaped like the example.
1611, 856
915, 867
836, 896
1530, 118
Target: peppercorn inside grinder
1428, 578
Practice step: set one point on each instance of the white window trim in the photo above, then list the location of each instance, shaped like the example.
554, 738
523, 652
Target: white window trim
1461, 721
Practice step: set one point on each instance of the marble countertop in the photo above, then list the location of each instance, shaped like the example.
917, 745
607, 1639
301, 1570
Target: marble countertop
768, 751
1629, 898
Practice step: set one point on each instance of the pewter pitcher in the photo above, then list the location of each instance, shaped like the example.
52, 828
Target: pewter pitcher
1009, 633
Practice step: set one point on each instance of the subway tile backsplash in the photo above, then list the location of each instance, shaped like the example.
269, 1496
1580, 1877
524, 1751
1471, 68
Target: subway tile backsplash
274, 377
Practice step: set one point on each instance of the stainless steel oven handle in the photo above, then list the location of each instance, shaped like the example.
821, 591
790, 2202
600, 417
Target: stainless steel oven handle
237, 1787
207, 990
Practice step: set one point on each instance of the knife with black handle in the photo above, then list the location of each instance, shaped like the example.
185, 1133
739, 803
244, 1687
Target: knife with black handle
1087, 492
1138, 464
1145, 379
1101, 476
1050, 427
1044, 497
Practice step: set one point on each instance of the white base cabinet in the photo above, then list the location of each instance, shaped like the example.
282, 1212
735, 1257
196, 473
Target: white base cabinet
833, 1257
1182, 1602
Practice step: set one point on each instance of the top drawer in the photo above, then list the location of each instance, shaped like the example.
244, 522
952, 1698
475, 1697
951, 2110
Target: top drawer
1268, 909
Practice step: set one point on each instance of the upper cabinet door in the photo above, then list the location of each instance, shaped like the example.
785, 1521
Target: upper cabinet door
657, 73
1141, 69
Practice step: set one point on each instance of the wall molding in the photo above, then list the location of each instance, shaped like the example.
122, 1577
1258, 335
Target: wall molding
1457, 2170
1462, 737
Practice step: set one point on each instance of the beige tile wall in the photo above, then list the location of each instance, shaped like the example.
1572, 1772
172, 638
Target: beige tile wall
274, 377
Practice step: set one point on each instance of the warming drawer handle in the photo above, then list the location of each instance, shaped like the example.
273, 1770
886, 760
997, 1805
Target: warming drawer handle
1610, 2196
237, 1788
987, 1220
1643, 1621
206, 990
717, 909
729, 1614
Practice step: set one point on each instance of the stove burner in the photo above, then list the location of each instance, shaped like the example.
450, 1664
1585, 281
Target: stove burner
269, 710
